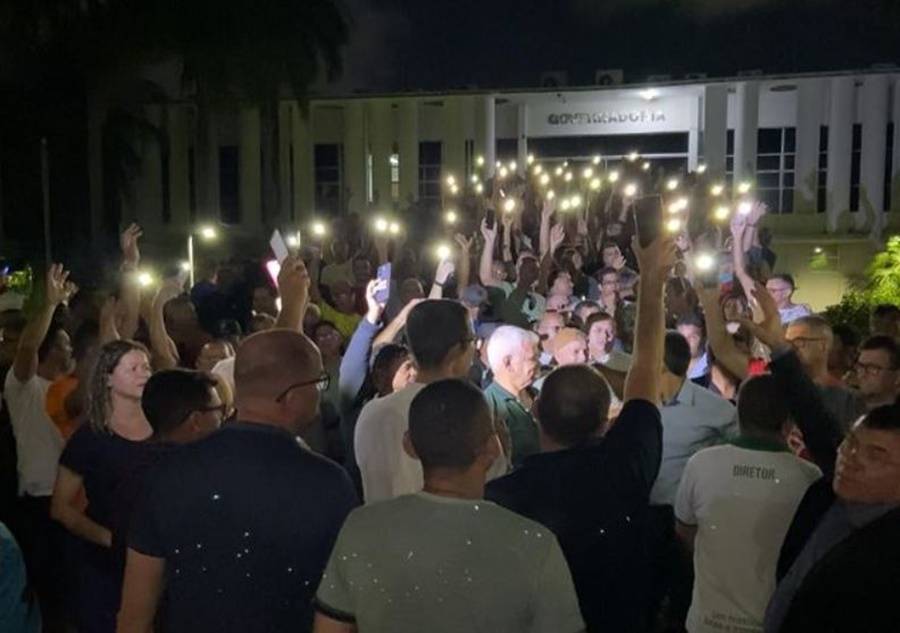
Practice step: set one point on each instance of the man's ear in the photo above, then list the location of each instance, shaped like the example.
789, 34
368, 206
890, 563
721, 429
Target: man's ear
408, 446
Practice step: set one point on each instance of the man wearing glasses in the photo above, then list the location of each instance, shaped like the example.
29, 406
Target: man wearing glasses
811, 337
238, 527
878, 371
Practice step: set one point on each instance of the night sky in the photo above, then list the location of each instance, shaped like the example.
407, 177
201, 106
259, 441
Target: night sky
428, 45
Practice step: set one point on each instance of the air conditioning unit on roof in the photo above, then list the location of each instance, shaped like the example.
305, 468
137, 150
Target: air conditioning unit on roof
554, 79
609, 77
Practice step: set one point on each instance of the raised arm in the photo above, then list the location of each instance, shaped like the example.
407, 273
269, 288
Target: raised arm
485, 270
58, 290
655, 262
294, 287
315, 264
546, 215
355, 363
557, 237
129, 304
464, 263
738, 228
821, 430
109, 331
165, 352
720, 341
389, 333
445, 268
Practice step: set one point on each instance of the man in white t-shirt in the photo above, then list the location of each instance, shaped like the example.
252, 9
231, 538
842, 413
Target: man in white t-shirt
444, 560
44, 354
441, 343
734, 506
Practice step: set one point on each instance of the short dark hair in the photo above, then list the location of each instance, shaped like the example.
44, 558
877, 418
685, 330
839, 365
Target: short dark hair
606, 270
573, 405
609, 245
449, 422
846, 334
885, 418
171, 395
762, 405
786, 278
596, 318
691, 319
885, 343
434, 328
318, 326
677, 356
49, 341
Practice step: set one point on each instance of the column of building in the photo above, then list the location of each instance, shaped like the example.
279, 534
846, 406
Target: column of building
809, 116
178, 132
840, 145
408, 142
874, 116
250, 170
304, 192
715, 128
355, 169
453, 154
746, 130
380, 124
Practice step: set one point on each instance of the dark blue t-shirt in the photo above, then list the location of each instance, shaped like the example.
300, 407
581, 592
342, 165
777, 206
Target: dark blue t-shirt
595, 499
245, 520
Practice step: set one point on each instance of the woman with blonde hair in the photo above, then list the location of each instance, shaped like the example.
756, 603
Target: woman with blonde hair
99, 455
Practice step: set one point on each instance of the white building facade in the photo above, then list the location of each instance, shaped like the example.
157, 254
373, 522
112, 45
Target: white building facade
823, 151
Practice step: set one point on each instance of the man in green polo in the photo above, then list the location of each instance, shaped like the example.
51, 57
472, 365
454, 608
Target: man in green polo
513, 355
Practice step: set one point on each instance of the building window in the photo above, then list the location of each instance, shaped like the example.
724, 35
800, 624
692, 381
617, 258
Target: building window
888, 165
430, 172
327, 164
395, 176
775, 168
229, 184
855, 166
822, 172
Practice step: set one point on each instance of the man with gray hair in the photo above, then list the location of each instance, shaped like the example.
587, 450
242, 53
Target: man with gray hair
513, 357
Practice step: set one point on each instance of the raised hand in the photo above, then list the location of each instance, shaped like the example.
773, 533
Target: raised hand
769, 331
168, 290
444, 269
557, 237
756, 213
293, 281
128, 241
656, 260
464, 243
59, 288
488, 232
374, 308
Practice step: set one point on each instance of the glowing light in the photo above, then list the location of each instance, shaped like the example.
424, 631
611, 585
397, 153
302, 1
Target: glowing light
545, 179
705, 262
613, 176
701, 168
817, 250
450, 217
503, 173
145, 279
498, 164
513, 165
208, 233
479, 188
381, 225
474, 179
722, 213
575, 201
672, 184
451, 180
443, 251
744, 187
717, 190
394, 228
673, 225
633, 156
595, 184
551, 194
479, 160
630, 190
745, 208
587, 173
185, 266
565, 205
454, 189
596, 159
292, 240
558, 171
649, 94
568, 176
530, 159
319, 229
682, 203
537, 169
646, 166
509, 205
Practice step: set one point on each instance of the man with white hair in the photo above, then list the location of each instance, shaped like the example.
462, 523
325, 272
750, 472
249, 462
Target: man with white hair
513, 357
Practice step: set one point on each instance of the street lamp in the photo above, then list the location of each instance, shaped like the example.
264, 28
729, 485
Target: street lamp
206, 233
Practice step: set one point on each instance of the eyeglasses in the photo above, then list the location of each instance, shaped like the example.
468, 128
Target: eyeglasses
322, 383
803, 341
872, 370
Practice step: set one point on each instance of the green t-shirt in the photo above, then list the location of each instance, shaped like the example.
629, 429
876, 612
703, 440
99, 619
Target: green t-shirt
524, 434
444, 565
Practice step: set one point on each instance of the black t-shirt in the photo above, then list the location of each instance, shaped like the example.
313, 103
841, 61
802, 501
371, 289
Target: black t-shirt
595, 500
103, 460
245, 520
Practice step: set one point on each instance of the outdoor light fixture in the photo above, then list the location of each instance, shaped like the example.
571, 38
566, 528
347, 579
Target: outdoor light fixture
551, 194
474, 179
559, 171
292, 240
513, 165
630, 190
479, 188
185, 266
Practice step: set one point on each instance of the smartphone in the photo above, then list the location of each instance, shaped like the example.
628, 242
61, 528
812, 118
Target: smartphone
706, 270
279, 246
648, 219
490, 217
384, 274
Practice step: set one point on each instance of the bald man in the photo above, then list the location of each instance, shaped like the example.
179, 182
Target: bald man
238, 527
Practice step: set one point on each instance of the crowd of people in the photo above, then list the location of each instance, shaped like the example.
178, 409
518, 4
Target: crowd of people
580, 427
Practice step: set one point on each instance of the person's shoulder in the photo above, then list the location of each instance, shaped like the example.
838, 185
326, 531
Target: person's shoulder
638, 408
706, 397
508, 489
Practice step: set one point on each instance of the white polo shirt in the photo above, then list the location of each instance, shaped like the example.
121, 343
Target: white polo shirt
38, 441
742, 499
